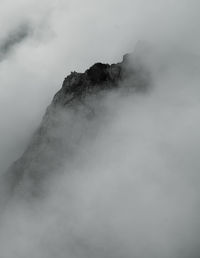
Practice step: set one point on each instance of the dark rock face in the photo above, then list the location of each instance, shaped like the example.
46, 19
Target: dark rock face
46, 151
103, 77
98, 73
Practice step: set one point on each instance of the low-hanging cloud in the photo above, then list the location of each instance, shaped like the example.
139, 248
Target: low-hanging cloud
127, 184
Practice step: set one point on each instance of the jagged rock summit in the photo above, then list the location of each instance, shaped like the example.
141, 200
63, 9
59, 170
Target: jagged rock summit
103, 77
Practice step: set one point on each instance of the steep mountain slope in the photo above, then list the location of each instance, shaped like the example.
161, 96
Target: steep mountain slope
69, 117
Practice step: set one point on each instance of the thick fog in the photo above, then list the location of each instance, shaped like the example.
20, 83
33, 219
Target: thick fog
126, 182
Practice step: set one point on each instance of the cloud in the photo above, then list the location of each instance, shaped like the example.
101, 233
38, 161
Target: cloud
126, 182
132, 185
14, 39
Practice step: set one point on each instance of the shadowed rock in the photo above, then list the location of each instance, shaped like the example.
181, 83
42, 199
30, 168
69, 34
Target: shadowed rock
104, 77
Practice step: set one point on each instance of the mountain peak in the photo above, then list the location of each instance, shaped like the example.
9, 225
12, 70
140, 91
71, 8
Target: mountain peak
100, 77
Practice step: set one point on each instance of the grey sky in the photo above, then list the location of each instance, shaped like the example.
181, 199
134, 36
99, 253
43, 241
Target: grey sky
72, 35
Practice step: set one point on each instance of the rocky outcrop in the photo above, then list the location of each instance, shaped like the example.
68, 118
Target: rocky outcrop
103, 77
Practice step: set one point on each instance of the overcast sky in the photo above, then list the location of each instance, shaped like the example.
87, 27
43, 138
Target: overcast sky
41, 41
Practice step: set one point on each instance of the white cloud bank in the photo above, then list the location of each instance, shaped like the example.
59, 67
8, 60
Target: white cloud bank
133, 189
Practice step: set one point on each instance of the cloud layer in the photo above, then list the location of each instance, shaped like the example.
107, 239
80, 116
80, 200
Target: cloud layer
132, 186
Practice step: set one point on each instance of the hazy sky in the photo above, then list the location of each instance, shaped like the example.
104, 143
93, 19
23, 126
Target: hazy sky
42, 41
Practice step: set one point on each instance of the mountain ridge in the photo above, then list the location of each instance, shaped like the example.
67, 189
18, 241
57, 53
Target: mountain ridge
45, 151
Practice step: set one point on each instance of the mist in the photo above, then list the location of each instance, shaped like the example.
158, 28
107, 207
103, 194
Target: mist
126, 178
